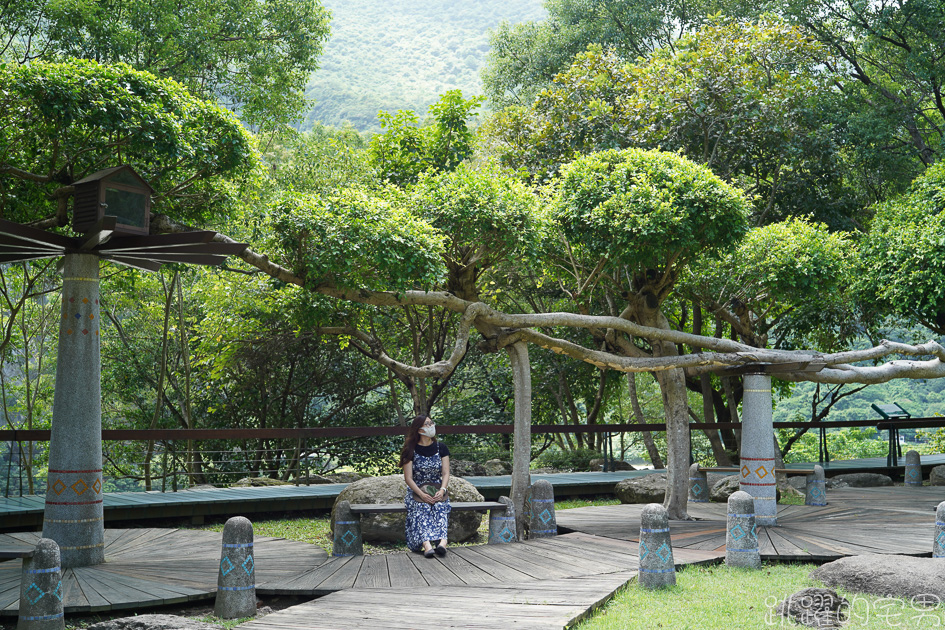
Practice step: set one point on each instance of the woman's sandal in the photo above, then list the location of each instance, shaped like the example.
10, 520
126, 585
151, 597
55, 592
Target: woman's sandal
440, 550
429, 553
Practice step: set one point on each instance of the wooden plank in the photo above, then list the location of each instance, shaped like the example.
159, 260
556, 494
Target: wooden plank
382, 508
344, 577
402, 571
373, 573
434, 571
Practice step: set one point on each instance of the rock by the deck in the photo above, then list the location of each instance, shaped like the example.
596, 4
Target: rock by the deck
937, 476
645, 489
256, 482
466, 468
815, 608
876, 574
616, 464
497, 467
861, 480
153, 622
724, 488
391, 489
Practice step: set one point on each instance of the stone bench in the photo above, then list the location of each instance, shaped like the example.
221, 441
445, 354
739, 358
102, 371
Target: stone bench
815, 490
347, 525
11, 553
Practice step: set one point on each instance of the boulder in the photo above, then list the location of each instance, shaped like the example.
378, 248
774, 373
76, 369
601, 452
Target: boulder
391, 489
815, 608
887, 576
937, 476
723, 488
314, 480
466, 468
617, 464
860, 480
153, 622
344, 477
256, 482
497, 467
644, 489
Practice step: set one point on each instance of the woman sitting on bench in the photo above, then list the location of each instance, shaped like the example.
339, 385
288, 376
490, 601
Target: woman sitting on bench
426, 462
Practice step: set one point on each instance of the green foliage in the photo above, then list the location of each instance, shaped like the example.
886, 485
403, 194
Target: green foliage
405, 150
357, 240
524, 58
848, 443
796, 273
390, 55
568, 460
902, 262
61, 122
254, 56
647, 209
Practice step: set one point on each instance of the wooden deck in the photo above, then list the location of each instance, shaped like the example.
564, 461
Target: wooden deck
153, 567
891, 520
537, 605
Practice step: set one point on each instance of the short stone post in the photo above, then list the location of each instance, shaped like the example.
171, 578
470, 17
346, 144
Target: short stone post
938, 543
657, 568
542, 523
698, 485
347, 528
236, 583
913, 476
816, 491
741, 539
502, 523
41, 589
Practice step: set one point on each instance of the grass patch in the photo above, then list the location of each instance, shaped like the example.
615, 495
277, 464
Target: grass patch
722, 598
567, 504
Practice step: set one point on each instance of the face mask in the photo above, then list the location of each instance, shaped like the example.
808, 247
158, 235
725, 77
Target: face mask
428, 431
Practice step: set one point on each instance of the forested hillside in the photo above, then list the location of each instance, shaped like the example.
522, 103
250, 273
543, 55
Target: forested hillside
401, 54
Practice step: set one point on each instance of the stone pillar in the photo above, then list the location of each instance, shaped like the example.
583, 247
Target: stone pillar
657, 568
502, 523
698, 485
938, 543
347, 528
41, 589
816, 491
741, 539
236, 582
757, 456
913, 476
542, 522
73, 516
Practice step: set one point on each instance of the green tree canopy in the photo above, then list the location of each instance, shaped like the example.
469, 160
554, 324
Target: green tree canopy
62, 121
254, 56
902, 258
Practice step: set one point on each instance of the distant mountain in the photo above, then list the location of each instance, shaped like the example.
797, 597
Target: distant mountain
402, 54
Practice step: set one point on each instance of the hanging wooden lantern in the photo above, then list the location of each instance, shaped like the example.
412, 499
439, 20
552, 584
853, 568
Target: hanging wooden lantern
117, 192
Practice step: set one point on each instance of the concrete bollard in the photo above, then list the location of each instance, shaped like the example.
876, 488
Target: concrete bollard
502, 523
698, 485
815, 492
347, 527
542, 523
41, 589
757, 449
741, 539
657, 568
236, 583
938, 543
913, 476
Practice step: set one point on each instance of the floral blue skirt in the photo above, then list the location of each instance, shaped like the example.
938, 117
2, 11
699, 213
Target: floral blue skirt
425, 521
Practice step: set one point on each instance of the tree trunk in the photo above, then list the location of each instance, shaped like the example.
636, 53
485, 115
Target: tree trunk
673, 386
522, 445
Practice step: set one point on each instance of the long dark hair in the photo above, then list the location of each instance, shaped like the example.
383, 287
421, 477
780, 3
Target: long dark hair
410, 442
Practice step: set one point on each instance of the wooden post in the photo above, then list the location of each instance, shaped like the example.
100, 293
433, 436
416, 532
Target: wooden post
502, 523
